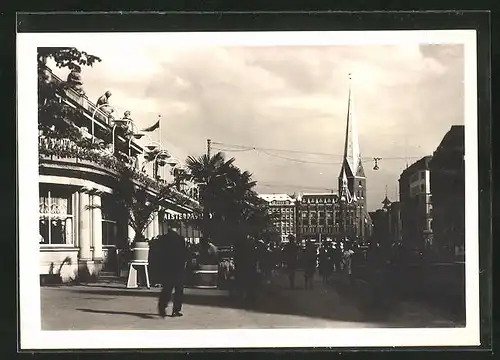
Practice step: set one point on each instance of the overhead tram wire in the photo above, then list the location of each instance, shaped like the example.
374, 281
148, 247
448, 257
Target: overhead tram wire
277, 150
231, 150
282, 185
282, 157
242, 148
367, 160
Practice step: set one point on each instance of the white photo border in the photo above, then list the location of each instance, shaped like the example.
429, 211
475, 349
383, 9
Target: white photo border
31, 335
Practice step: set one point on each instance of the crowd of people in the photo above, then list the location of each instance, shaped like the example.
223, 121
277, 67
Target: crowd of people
247, 266
257, 262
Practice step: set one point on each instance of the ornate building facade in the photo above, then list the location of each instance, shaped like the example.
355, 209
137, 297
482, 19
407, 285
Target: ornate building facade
283, 206
81, 228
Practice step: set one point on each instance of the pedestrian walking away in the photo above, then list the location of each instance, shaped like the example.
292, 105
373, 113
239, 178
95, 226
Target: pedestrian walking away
310, 264
323, 262
337, 256
348, 253
174, 257
291, 253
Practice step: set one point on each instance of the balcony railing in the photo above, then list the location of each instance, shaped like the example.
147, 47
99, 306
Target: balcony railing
68, 149
99, 118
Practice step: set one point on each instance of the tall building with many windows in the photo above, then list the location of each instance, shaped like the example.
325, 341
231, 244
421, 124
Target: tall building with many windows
416, 204
285, 214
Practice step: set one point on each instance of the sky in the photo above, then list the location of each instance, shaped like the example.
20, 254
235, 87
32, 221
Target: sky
406, 97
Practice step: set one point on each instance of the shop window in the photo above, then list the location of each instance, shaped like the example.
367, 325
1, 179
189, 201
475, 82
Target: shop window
109, 221
56, 217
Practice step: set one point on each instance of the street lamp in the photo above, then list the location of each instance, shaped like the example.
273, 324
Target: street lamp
93, 115
135, 135
153, 146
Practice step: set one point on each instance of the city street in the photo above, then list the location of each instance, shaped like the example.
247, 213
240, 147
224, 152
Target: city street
108, 305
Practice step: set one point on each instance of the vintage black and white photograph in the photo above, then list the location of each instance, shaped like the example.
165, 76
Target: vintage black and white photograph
284, 189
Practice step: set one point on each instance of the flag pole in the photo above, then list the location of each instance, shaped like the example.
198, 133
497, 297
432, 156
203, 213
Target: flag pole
159, 140
159, 128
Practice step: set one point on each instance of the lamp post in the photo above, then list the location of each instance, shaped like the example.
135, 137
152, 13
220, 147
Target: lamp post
161, 156
151, 147
343, 216
93, 115
135, 135
176, 165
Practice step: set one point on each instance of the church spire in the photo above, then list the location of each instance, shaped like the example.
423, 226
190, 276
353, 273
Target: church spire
352, 155
386, 202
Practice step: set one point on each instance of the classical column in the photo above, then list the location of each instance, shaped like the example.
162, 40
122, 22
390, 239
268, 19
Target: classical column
149, 230
156, 225
97, 227
131, 234
84, 227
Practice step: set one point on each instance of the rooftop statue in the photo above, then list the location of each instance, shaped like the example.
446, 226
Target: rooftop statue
74, 80
103, 103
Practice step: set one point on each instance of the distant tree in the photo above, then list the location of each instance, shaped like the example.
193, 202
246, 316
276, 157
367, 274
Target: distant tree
69, 57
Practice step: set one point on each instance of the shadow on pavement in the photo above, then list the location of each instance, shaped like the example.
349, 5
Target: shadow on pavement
140, 315
273, 299
337, 301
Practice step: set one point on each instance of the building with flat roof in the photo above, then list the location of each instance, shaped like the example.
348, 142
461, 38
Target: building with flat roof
447, 171
285, 214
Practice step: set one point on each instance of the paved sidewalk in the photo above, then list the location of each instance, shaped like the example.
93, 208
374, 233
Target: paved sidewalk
111, 306
381, 304
108, 305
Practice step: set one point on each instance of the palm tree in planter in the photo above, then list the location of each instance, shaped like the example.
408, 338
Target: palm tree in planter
141, 198
211, 174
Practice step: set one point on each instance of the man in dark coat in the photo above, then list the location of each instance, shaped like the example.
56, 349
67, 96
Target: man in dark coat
310, 262
291, 256
174, 257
